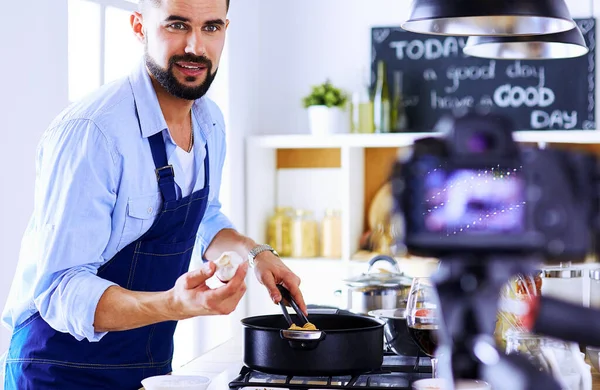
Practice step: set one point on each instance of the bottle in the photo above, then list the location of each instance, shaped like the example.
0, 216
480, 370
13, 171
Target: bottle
381, 102
331, 234
399, 118
362, 109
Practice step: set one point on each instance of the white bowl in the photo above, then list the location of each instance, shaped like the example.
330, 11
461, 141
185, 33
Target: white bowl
176, 382
441, 384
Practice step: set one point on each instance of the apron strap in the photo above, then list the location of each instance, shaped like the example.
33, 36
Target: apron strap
206, 168
164, 172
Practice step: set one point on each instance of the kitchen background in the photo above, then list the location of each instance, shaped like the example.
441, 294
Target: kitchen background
275, 51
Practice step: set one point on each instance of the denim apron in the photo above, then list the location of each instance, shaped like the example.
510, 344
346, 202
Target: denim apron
41, 358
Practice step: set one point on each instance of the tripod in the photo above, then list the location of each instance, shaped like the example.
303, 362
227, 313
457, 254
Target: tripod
469, 288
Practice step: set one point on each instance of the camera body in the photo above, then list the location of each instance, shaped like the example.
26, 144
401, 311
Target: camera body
474, 190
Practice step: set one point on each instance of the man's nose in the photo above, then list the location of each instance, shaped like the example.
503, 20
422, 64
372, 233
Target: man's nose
195, 44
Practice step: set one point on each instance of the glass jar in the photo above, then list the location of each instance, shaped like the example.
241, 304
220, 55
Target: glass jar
517, 291
279, 231
561, 359
304, 234
331, 234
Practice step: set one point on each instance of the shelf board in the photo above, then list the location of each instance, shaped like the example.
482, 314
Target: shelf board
324, 260
308, 141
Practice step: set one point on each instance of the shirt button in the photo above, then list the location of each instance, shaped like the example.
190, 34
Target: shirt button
150, 210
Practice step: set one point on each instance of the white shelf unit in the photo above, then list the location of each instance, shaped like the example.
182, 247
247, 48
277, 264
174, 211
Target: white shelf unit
322, 276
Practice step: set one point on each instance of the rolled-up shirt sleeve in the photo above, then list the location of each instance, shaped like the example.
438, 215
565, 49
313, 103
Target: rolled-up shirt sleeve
76, 189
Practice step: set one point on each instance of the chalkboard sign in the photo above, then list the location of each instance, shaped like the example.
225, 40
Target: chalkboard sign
436, 78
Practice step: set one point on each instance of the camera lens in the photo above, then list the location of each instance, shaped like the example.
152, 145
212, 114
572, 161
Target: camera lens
481, 142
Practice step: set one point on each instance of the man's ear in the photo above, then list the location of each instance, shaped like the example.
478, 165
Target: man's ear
137, 24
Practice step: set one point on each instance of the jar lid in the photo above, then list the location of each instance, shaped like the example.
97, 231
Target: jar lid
562, 273
595, 274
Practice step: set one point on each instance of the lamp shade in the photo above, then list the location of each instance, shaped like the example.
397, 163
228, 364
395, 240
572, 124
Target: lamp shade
566, 44
489, 17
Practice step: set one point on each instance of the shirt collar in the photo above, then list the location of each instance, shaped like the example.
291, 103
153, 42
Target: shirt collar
149, 112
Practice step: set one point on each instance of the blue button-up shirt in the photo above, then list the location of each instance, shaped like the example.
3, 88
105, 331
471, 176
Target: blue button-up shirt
96, 192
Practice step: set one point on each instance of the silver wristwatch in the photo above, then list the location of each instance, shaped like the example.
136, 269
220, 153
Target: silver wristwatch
257, 250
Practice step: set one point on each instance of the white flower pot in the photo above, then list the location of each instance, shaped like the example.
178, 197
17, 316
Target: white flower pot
325, 120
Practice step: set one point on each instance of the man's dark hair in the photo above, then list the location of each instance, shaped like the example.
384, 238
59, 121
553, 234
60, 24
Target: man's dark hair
156, 3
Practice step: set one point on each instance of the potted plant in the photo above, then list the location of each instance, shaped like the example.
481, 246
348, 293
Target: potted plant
326, 106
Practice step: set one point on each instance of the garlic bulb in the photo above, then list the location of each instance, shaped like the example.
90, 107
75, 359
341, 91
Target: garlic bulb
227, 265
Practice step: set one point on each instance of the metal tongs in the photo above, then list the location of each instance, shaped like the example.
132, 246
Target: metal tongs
287, 296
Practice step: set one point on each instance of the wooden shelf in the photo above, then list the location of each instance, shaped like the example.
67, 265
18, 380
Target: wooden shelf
310, 259
308, 141
342, 171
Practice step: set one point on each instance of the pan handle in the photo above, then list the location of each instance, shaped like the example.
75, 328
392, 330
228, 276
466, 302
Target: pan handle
302, 335
303, 339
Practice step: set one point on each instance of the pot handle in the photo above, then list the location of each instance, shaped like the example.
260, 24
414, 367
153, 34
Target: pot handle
389, 259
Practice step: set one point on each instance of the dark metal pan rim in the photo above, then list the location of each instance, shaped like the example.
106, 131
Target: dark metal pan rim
377, 324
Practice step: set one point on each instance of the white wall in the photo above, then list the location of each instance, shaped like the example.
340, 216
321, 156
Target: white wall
277, 49
301, 43
33, 69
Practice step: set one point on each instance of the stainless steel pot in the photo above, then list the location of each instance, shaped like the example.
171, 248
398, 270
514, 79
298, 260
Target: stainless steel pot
395, 331
376, 290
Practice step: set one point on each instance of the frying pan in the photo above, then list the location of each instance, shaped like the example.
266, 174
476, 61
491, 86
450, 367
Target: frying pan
343, 345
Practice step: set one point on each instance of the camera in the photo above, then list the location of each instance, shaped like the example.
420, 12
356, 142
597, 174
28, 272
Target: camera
474, 190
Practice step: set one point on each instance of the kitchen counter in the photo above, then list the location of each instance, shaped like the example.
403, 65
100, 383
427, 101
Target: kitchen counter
223, 363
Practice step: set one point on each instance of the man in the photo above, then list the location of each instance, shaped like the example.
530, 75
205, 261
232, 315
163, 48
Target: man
127, 183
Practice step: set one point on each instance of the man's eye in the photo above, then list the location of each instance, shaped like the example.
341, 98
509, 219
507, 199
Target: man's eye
178, 26
212, 28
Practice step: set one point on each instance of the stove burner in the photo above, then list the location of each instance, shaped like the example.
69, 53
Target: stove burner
397, 372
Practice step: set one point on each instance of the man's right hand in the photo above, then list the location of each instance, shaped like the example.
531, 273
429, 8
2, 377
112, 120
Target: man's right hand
191, 297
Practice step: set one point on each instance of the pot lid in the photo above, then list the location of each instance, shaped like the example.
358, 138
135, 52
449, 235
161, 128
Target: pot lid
381, 279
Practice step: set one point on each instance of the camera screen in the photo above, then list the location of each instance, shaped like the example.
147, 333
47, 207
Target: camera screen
474, 201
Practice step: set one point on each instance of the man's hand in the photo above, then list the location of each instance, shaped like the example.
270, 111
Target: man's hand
271, 271
120, 309
191, 297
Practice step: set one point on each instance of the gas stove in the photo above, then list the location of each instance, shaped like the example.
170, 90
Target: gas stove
397, 372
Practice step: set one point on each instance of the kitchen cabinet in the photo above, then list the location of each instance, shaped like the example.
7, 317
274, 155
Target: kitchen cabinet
344, 171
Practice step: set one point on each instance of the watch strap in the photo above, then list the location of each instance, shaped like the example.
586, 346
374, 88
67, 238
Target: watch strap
258, 250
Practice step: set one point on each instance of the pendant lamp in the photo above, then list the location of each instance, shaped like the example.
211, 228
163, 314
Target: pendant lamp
489, 17
566, 44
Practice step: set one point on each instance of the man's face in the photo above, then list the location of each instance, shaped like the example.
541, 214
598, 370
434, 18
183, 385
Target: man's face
183, 41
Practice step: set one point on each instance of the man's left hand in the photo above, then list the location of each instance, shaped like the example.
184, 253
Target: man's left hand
270, 271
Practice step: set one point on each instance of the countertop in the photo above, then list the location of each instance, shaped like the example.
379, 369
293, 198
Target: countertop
595, 380
223, 363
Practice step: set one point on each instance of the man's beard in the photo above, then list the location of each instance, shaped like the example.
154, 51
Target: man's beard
169, 82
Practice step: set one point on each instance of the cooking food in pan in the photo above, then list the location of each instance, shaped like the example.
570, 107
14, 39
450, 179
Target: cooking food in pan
307, 326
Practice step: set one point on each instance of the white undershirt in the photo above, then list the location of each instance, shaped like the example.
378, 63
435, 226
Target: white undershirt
188, 166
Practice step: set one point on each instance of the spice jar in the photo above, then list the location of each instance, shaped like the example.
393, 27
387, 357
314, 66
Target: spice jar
331, 234
279, 231
304, 234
